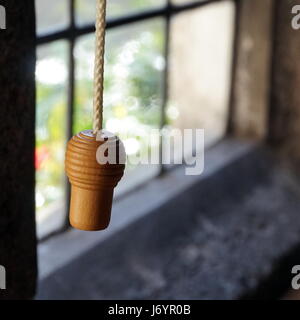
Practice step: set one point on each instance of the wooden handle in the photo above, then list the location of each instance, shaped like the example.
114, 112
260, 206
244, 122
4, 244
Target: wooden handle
92, 183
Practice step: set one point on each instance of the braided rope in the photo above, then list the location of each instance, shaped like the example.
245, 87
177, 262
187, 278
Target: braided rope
99, 65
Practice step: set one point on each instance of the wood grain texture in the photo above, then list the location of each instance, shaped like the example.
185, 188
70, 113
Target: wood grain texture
92, 183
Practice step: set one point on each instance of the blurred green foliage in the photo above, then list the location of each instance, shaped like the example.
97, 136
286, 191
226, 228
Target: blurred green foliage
133, 90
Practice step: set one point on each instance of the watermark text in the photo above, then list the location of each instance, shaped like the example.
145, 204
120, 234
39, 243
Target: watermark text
177, 147
2, 17
2, 278
296, 18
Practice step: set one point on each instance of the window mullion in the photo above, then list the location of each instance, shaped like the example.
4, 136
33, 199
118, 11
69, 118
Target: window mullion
166, 81
71, 96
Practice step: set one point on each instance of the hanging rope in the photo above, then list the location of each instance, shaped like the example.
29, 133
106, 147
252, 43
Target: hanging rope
99, 65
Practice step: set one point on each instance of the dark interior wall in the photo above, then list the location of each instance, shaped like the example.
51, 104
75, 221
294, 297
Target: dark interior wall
252, 69
17, 114
285, 95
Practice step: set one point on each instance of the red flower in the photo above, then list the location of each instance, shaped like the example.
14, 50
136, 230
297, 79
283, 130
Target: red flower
41, 155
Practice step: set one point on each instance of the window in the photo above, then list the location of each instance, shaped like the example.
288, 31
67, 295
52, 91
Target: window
168, 63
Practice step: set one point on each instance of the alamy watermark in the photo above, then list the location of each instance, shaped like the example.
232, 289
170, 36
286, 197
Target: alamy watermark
296, 19
177, 147
2, 278
296, 279
2, 17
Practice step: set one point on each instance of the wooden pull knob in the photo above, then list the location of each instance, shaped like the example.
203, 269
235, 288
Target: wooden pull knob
93, 183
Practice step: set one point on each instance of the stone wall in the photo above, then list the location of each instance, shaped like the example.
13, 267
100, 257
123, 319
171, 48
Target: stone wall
252, 69
285, 97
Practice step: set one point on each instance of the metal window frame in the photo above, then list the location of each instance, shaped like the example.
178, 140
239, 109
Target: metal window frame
72, 32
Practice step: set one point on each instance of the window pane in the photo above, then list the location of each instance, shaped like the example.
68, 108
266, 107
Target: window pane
51, 15
51, 77
185, 1
200, 69
133, 88
86, 8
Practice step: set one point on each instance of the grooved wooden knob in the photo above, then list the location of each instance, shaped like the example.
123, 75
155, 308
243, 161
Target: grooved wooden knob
92, 178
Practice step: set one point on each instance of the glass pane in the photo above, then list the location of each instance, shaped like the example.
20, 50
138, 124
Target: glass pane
185, 1
134, 68
51, 15
85, 12
51, 78
200, 69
